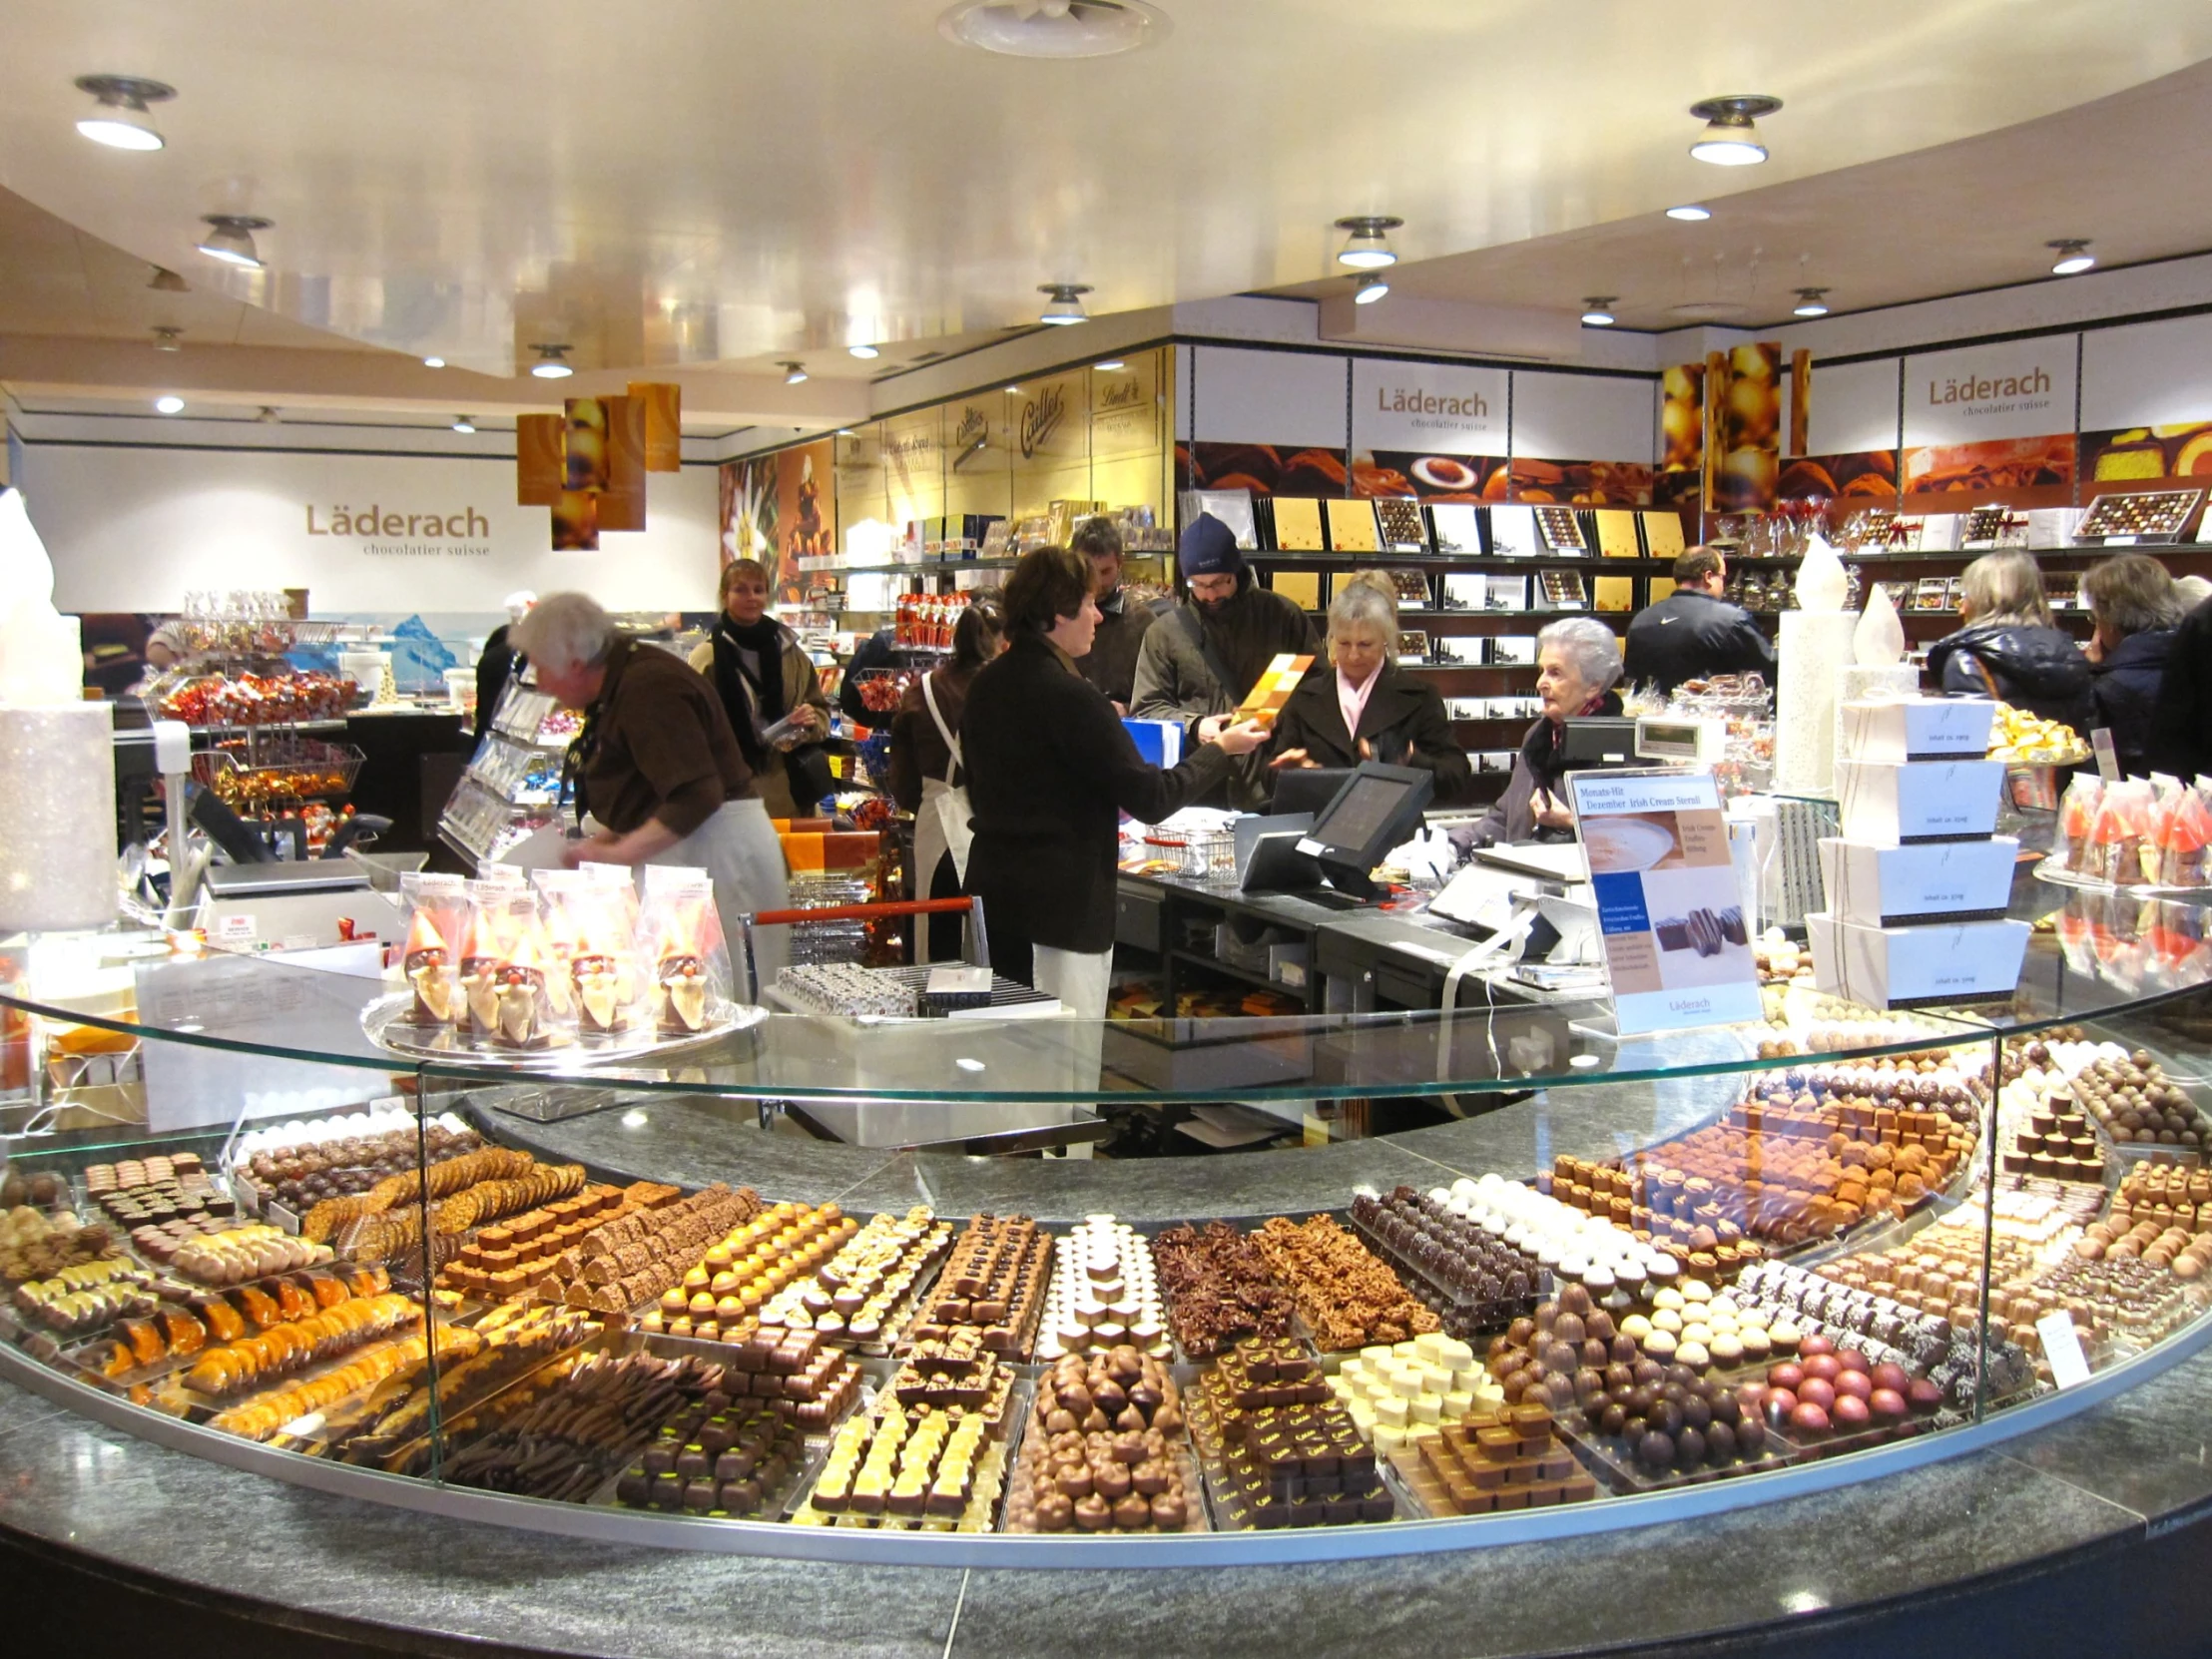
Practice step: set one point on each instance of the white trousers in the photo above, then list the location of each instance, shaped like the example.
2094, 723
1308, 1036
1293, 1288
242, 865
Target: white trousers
1079, 978
738, 849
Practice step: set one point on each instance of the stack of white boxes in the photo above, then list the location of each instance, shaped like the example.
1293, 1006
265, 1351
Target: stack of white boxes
1918, 882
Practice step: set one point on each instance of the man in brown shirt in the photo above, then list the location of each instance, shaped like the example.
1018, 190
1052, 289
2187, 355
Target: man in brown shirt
658, 767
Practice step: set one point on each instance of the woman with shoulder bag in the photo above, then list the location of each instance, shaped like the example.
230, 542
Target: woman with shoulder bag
925, 770
768, 684
1052, 770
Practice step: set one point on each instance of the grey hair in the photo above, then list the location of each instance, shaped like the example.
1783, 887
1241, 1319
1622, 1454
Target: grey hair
1593, 648
2193, 591
2130, 593
1364, 603
2006, 587
566, 630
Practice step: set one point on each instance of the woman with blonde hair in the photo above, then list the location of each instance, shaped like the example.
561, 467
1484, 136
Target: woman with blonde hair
1359, 705
2009, 648
768, 684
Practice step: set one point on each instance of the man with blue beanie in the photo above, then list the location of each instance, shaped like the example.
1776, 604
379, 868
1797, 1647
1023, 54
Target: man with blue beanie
1199, 661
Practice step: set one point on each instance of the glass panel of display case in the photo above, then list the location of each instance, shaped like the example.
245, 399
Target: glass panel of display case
534, 1261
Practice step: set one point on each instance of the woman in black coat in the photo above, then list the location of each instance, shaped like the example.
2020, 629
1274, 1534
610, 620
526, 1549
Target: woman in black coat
2009, 648
1361, 706
1050, 770
2136, 609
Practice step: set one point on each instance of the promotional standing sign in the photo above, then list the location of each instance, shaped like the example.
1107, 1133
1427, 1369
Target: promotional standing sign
1677, 952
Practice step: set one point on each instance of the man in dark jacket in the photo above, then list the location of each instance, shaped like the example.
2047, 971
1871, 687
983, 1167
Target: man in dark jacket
1693, 632
1112, 664
2181, 721
1199, 660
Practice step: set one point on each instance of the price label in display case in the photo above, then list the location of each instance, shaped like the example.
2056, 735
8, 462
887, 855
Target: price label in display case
1677, 950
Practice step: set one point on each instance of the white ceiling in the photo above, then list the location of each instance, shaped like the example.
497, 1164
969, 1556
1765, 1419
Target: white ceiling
1973, 214
660, 185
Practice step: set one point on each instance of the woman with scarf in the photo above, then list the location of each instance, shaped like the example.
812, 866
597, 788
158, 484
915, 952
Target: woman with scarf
1578, 661
763, 676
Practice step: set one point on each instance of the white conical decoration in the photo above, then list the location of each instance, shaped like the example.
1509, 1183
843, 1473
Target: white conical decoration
1879, 640
41, 651
1822, 581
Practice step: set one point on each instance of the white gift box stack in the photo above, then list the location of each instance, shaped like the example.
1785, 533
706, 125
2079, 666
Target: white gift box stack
1918, 882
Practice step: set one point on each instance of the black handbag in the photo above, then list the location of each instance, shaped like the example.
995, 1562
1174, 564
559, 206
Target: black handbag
807, 768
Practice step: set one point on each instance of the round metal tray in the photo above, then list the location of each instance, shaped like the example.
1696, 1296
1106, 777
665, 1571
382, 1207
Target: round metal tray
383, 1022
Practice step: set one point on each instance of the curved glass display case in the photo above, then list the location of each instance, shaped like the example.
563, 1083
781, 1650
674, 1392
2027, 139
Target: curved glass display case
1612, 1280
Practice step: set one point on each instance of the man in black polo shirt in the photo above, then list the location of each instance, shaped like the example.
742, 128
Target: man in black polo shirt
1693, 633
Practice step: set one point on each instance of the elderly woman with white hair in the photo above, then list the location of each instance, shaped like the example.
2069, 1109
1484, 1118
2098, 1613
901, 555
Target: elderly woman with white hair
1578, 661
657, 769
1361, 706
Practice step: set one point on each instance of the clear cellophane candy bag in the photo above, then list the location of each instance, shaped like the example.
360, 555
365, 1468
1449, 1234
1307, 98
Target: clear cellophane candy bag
564, 900
2077, 812
2185, 850
606, 969
438, 913
687, 956
517, 1011
2116, 832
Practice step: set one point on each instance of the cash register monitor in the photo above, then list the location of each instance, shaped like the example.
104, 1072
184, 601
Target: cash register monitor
1598, 742
1377, 809
1306, 789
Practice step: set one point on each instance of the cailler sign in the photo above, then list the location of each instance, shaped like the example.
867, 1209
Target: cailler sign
1040, 418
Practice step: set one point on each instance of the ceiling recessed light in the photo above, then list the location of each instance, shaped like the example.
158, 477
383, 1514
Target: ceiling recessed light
169, 405
121, 121
167, 337
1730, 139
866, 353
1368, 241
461, 424
1013, 392
1371, 289
1595, 311
1067, 303
232, 239
433, 362
1055, 28
549, 365
1690, 213
845, 431
1811, 303
165, 280
794, 373
2073, 255
1110, 368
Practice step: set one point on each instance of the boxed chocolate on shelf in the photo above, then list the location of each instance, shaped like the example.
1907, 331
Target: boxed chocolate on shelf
1906, 967
1927, 882
1885, 803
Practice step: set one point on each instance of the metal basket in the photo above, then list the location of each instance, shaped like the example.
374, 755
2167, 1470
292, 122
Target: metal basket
277, 770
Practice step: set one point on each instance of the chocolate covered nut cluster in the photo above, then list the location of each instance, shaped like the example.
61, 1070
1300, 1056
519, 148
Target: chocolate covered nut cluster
1348, 1296
1219, 1288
